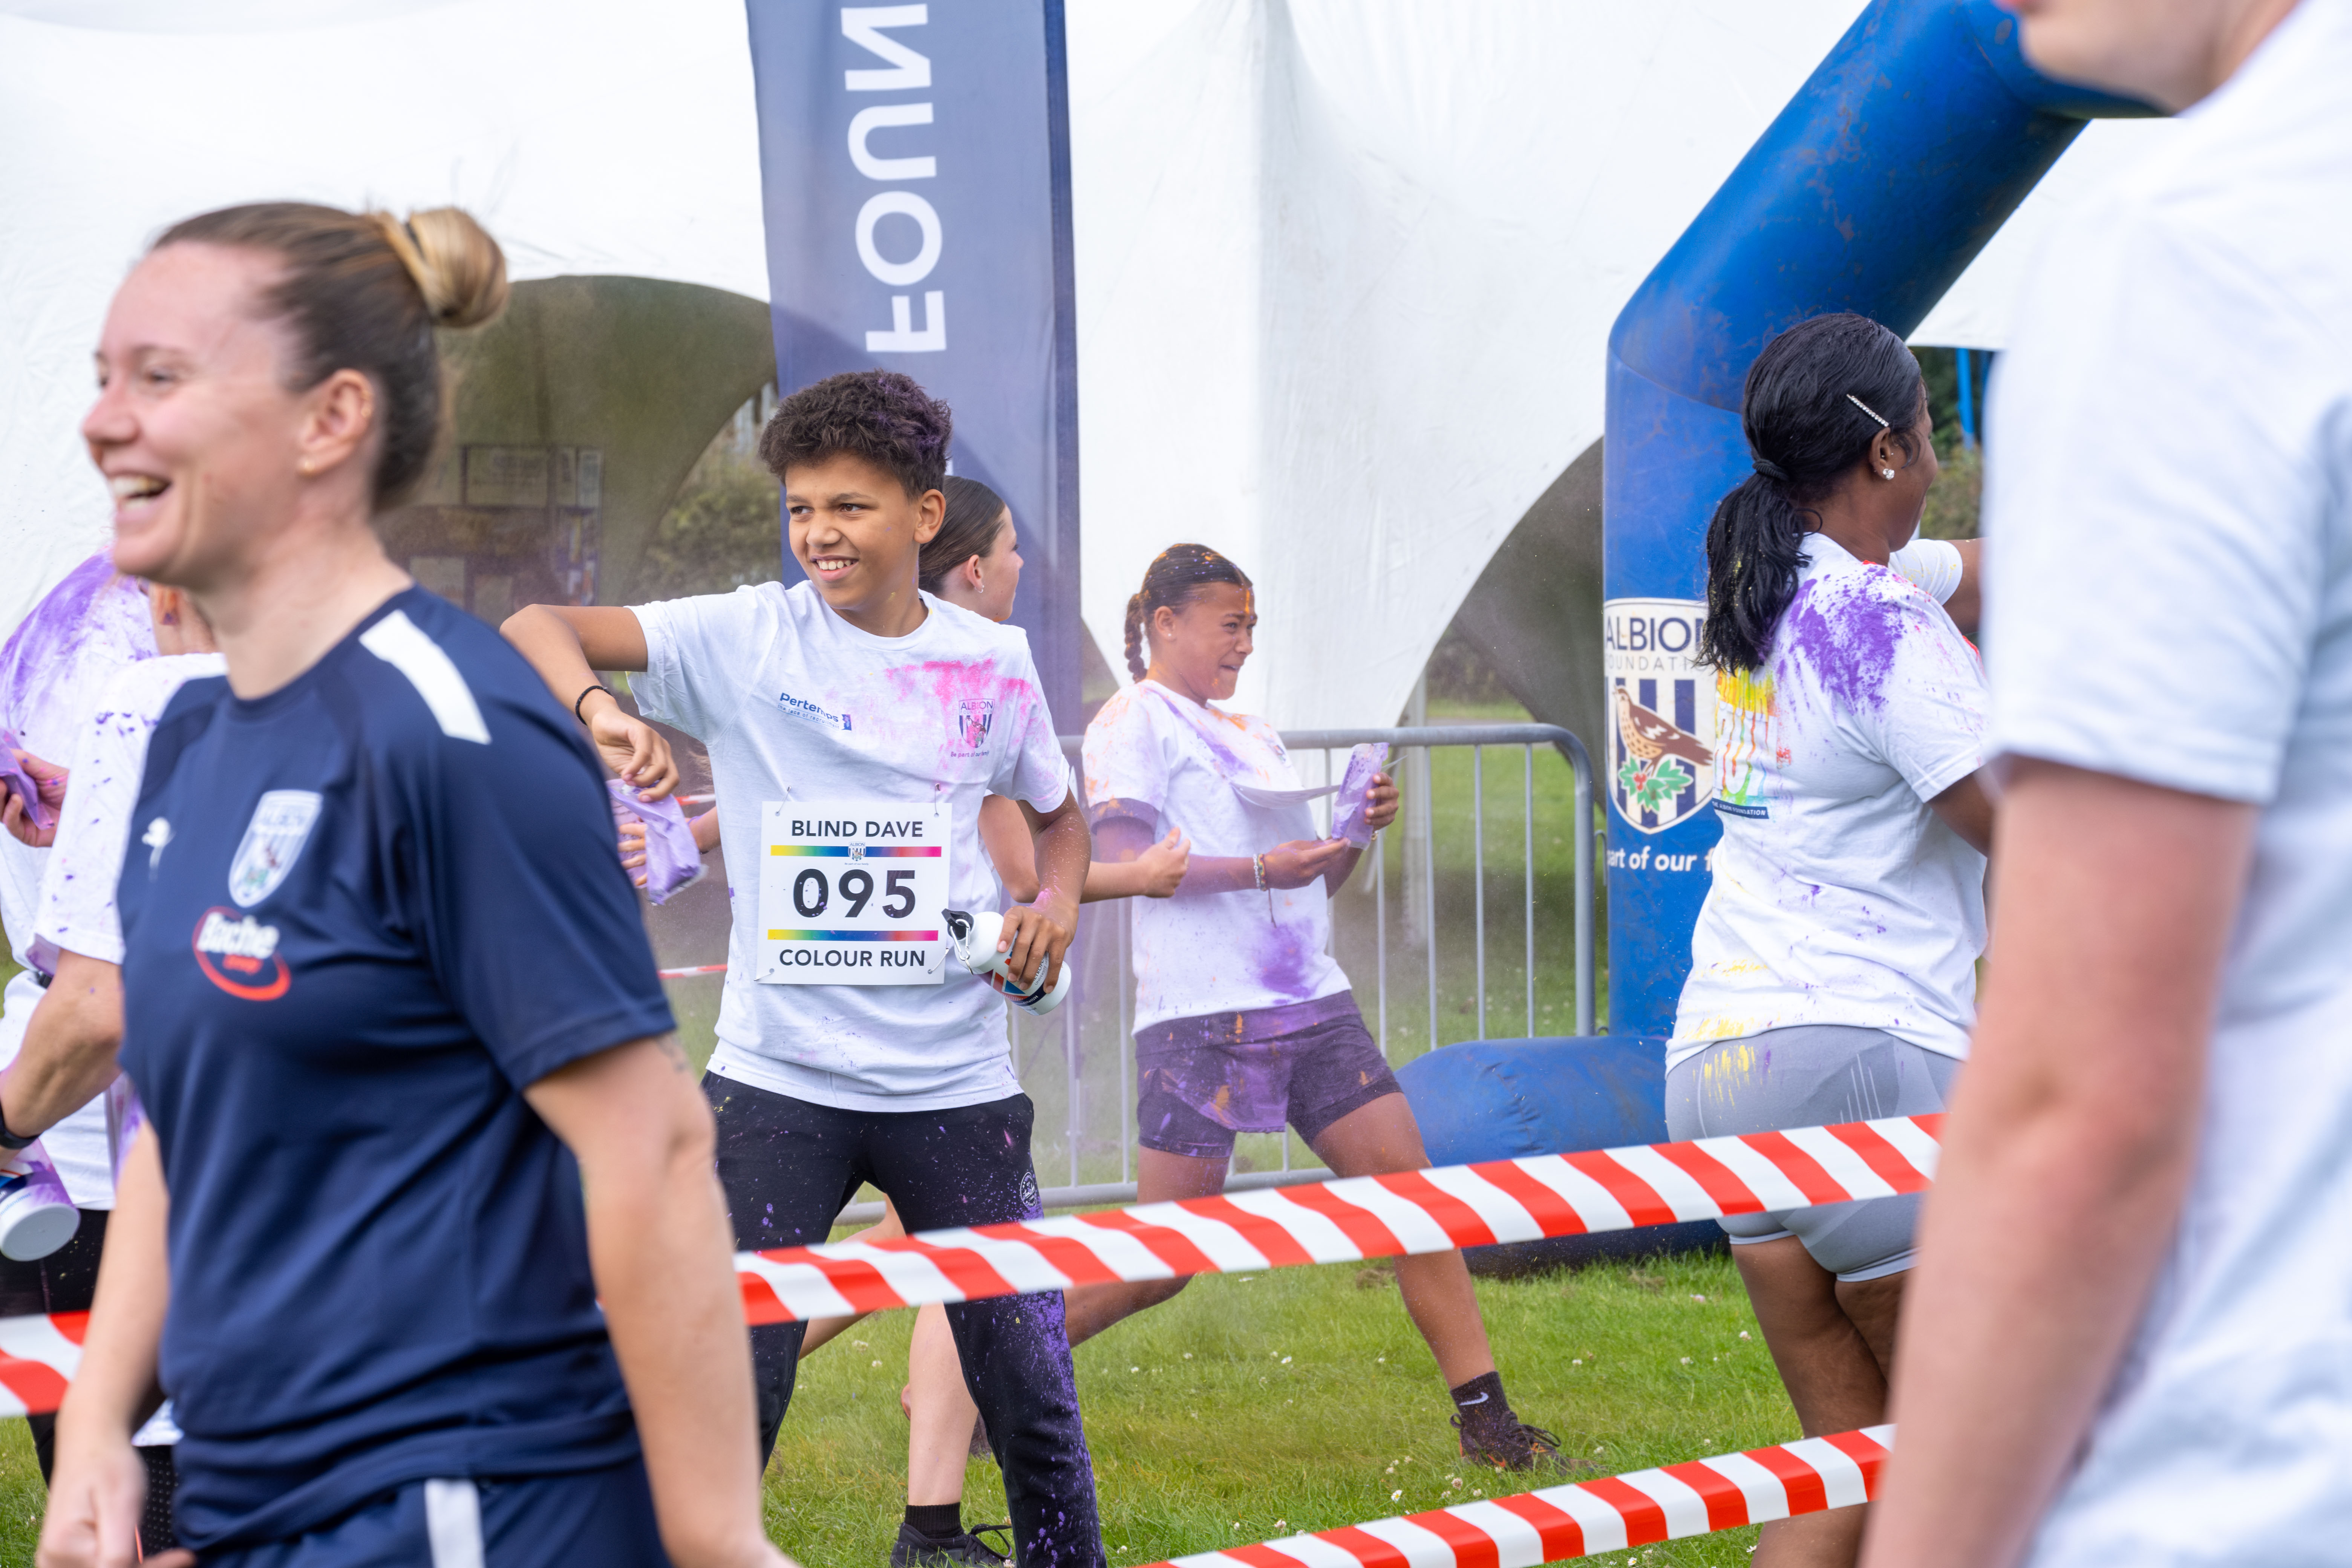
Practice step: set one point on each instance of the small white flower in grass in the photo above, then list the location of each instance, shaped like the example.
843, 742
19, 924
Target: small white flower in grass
1698, 1298
1285, 1361
1393, 1496
1188, 1355
1743, 1334
1686, 1361
1282, 1524
1576, 1360
1135, 1369
878, 1364
1382, 1360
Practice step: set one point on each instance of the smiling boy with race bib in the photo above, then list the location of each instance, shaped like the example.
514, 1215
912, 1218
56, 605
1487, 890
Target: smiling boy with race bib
855, 723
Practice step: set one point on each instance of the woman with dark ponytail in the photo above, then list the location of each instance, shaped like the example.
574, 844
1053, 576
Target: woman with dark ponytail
1243, 1024
1833, 966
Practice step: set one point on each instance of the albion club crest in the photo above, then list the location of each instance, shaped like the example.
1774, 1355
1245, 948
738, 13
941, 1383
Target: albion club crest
973, 715
272, 840
1661, 711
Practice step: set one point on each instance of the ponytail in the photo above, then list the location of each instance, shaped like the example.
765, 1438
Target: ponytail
1175, 575
1809, 409
1754, 548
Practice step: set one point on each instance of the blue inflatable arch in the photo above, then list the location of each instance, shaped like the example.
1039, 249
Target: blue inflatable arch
1871, 192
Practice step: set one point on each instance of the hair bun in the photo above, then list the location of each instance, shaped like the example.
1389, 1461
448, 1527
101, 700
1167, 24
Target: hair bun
456, 264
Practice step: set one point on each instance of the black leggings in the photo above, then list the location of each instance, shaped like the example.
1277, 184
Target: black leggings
789, 1167
67, 1281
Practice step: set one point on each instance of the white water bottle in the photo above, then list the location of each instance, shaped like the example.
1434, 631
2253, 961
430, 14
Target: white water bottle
975, 937
37, 1217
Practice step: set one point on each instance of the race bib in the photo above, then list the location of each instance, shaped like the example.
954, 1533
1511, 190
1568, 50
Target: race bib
850, 892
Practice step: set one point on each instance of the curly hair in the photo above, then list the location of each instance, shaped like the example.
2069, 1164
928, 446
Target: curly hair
878, 415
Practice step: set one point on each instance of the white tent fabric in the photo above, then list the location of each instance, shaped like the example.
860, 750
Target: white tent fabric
1345, 268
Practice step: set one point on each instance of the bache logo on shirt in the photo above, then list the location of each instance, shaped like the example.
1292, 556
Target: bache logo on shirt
240, 955
800, 708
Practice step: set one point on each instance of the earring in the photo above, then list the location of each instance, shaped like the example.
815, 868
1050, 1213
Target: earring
303, 468
1886, 473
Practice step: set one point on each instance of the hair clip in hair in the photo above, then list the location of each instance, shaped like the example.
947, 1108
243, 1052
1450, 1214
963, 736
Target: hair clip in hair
1866, 408
1769, 469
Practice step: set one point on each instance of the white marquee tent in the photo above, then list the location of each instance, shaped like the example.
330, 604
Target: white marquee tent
1345, 268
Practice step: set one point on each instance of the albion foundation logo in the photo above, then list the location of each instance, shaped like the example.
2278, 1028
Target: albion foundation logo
973, 715
240, 955
1661, 712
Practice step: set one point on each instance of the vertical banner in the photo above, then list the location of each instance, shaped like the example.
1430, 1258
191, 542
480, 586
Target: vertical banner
913, 161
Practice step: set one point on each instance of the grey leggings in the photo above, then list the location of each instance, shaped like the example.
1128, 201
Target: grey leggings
1807, 1077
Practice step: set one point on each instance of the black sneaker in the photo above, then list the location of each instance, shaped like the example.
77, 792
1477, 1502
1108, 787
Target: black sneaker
915, 1550
1517, 1447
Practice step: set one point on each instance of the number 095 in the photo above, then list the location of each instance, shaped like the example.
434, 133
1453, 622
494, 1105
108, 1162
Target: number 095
814, 892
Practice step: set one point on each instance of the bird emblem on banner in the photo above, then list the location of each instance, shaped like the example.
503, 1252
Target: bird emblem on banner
1656, 750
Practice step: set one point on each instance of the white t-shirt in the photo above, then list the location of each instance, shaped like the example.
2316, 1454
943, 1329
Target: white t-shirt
76, 909
1168, 761
54, 664
794, 703
1839, 896
2169, 585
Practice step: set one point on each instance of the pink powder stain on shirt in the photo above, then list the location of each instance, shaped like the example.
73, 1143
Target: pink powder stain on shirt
971, 697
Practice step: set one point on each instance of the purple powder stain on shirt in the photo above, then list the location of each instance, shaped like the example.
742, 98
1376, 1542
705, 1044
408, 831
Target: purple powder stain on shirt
672, 860
1846, 634
92, 605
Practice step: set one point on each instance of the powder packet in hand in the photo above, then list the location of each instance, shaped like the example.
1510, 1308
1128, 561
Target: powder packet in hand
672, 861
20, 784
1348, 812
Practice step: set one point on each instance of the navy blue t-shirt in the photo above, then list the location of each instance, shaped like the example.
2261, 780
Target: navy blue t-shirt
361, 914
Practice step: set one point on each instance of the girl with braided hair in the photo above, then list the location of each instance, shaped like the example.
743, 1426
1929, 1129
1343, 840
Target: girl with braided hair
1243, 1023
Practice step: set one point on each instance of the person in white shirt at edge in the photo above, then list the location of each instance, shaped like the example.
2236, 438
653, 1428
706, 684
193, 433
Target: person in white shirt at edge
973, 562
857, 690
1832, 967
55, 1087
2128, 1333
53, 670
1243, 1023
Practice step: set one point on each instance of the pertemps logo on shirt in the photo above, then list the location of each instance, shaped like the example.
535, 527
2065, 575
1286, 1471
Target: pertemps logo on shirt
800, 708
272, 839
240, 955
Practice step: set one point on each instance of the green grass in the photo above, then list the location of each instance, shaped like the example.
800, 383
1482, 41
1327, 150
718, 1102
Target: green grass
1203, 1436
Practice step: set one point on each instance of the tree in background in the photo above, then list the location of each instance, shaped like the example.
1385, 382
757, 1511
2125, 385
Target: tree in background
724, 528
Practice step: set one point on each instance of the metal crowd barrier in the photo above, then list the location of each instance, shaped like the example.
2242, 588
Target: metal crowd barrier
1032, 1036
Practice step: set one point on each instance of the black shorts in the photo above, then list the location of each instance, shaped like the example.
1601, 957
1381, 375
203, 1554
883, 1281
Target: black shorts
1200, 1080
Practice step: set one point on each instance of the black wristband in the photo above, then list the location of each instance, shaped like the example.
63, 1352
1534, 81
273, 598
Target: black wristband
576, 701
11, 1141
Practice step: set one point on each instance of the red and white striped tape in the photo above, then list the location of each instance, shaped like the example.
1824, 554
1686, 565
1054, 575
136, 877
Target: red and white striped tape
1609, 1514
1342, 1221
38, 1356
691, 971
1351, 1219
